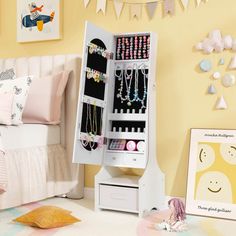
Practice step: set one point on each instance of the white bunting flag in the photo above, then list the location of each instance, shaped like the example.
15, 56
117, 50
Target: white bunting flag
101, 5
136, 10
86, 2
118, 7
185, 3
198, 2
169, 7
151, 7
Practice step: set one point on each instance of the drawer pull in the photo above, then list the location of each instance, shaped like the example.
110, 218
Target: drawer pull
113, 158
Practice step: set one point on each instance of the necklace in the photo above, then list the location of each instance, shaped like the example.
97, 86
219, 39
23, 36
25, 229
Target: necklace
120, 78
135, 95
128, 85
92, 130
145, 76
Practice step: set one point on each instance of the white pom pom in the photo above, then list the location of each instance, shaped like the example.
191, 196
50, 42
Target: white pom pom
234, 45
228, 42
198, 46
207, 46
219, 46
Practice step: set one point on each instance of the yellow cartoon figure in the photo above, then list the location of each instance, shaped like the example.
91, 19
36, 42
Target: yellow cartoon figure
206, 157
214, 186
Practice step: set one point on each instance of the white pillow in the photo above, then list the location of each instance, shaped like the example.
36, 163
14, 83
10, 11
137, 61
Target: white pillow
20, 87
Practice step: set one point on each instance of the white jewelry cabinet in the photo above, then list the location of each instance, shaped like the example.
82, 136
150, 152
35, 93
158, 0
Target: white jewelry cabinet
116, 119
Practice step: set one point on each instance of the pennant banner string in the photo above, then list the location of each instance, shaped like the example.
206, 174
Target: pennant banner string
136, 6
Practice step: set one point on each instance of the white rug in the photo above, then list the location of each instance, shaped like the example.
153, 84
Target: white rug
107, 223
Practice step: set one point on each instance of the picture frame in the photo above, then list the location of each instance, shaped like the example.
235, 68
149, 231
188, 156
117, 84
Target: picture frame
38, 20
211, 185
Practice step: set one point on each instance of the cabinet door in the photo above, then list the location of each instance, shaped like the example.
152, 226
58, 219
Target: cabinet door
91, 110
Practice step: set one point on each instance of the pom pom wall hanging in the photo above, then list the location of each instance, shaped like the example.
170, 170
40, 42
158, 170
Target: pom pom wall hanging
216, 43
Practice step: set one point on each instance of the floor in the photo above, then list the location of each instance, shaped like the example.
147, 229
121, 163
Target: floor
107, 223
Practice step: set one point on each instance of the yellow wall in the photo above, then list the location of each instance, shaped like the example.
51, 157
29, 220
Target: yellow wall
182, 100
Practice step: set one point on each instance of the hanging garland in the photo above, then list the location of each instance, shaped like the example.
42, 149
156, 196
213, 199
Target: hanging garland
136, 6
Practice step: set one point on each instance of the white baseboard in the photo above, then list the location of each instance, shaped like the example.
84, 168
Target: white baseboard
89, 193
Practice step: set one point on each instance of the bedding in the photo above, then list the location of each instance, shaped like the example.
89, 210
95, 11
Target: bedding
44, 100
6, 100
20, 87
3, 171
29, 135
38, 158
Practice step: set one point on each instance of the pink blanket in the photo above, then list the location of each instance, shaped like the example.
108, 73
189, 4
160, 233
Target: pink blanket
3, 169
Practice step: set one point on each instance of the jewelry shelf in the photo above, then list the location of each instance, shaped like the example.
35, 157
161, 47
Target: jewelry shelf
137, 61
124, 151
126, 135
127, 116
92, 101
83, 136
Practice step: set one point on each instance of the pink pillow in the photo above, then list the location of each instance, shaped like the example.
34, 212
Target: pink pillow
43, 105
6, 101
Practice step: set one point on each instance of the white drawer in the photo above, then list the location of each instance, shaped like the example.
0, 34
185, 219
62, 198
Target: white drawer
114, 159
122, 159
118, 198
136, 161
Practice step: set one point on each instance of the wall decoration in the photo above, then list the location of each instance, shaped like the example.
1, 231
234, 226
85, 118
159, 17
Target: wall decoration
221, 61
216, 75
221, 104
169, 7
136, 10
136, 6
211, 89
86, 2
151, 8
211, 188
101, 6
228, 80
215, 42
205, 65
118, 7
38, 20
232, 64
185, 3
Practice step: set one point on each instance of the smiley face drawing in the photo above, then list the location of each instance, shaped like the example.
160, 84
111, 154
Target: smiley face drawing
214, 186
205, 157
228, 152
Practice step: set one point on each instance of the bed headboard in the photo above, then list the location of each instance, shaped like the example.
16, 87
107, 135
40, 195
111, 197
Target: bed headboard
48, 65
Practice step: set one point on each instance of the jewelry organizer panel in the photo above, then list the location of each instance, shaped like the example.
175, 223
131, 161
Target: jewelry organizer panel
127, 131
91, 112
96, 70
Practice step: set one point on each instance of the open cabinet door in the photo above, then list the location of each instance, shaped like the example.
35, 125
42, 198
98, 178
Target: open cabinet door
91, 108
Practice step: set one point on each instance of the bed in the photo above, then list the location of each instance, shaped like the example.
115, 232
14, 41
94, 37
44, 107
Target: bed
38, 157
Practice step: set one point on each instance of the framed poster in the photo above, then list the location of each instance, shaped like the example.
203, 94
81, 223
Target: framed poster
211, 187
38, 20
